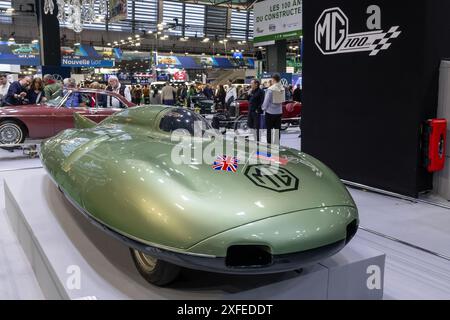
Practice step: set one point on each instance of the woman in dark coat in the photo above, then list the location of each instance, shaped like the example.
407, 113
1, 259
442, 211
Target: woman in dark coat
35, 94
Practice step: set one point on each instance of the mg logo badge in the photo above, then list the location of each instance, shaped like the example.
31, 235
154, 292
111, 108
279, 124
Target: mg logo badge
331, 30
332, 35
277, 179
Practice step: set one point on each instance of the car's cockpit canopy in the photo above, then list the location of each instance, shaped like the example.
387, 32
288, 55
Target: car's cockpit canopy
185, 122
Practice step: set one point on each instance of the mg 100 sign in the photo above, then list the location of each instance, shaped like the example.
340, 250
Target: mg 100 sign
277, 19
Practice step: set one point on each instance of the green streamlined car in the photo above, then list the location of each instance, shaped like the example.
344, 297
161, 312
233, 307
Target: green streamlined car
231, 215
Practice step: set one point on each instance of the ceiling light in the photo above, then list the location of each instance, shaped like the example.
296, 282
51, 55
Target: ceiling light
109, 44
77, 44
137, 44
137, 36
35, 41
159, 32
205, 40
149, 31
203, 54
260, 48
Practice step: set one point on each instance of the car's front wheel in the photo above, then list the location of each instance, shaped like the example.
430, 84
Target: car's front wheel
153, 270
11, 133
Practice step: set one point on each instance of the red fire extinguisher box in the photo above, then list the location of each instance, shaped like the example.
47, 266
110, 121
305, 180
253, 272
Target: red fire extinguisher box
435, 142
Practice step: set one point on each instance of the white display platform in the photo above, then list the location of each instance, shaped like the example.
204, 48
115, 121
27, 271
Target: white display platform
63, 246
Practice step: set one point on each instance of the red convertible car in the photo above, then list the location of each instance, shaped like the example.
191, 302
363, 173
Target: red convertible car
39, 121
236, 117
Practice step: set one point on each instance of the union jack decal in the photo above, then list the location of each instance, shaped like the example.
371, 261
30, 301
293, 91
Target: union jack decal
225, 163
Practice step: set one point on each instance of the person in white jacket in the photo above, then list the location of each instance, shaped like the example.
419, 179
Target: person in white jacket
273, 108
231, 94
4, 86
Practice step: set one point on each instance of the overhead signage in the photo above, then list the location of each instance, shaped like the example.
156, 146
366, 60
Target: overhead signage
85, 56
19, 54
168, 61
277, 19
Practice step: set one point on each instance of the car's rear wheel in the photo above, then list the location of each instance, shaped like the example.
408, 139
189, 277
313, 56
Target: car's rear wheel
11, 133
241, 125
153, 270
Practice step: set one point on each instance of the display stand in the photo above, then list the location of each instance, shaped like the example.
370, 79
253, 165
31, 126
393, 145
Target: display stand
72, 259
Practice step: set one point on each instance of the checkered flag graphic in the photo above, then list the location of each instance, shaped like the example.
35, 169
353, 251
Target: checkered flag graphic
383, 43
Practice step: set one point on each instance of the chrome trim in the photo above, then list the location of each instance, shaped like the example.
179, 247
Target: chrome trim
379, 234
394, 195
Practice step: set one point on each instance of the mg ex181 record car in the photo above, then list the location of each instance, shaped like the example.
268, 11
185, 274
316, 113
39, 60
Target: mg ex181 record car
230, 216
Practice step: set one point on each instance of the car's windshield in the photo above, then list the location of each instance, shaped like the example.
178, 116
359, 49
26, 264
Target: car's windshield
184, 120
55, 102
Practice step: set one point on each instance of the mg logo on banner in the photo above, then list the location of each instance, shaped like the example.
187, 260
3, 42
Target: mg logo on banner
332, 35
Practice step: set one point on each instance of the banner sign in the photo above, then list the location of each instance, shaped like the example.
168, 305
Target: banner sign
168, 61
85, 56
19, 54
277, 19
117, 10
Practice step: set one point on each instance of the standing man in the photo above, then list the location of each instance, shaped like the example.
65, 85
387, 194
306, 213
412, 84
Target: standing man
4, 86
255, 101
273, 106
231, 94
146, 94
207, 91
115, 86
297, 95
167, 94
52, 88
17, 91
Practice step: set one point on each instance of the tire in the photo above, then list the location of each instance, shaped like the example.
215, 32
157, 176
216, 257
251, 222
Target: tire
11, 132
284, 126
155, 271
241, 125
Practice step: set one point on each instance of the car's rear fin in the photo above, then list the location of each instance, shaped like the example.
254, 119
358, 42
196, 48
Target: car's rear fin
81, 122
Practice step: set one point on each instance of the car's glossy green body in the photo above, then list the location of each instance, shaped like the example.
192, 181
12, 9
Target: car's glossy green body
120, 172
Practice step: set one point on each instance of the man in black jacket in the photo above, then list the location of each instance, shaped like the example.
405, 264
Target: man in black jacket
255, 101
297, 95
17, 91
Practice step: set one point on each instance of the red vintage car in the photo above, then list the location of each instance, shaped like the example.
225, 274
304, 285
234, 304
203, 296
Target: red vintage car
236, 116
39, 121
